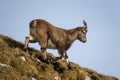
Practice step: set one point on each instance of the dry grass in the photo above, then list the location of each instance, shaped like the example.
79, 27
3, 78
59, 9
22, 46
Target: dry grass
18, 69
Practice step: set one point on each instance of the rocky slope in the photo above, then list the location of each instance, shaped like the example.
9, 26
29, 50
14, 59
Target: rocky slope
16, 64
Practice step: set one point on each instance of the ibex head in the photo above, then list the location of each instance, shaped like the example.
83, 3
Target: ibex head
82, 32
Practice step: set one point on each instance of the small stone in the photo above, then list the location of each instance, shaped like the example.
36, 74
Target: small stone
23, 58
87, 78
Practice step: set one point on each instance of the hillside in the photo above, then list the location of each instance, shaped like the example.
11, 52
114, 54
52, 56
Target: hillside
16, 64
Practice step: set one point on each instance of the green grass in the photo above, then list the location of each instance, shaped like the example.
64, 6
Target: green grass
17, 69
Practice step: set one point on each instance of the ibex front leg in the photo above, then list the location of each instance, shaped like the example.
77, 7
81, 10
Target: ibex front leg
60, 52
63, 54
66, 57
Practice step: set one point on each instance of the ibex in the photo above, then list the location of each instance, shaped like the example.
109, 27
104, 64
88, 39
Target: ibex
49, 36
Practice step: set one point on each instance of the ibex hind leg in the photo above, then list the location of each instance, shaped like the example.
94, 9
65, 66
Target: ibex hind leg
27, 40
43, 43
43, 51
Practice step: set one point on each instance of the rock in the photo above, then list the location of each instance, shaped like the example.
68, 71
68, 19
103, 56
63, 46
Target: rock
87, 78
23, 58
3, 65
56, 78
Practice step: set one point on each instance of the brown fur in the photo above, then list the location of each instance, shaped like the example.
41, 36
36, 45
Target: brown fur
49, 36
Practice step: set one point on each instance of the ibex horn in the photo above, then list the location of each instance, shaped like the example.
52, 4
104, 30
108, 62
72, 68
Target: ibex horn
85, 23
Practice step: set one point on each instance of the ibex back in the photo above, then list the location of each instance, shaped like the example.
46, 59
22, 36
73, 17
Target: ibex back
49, 36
